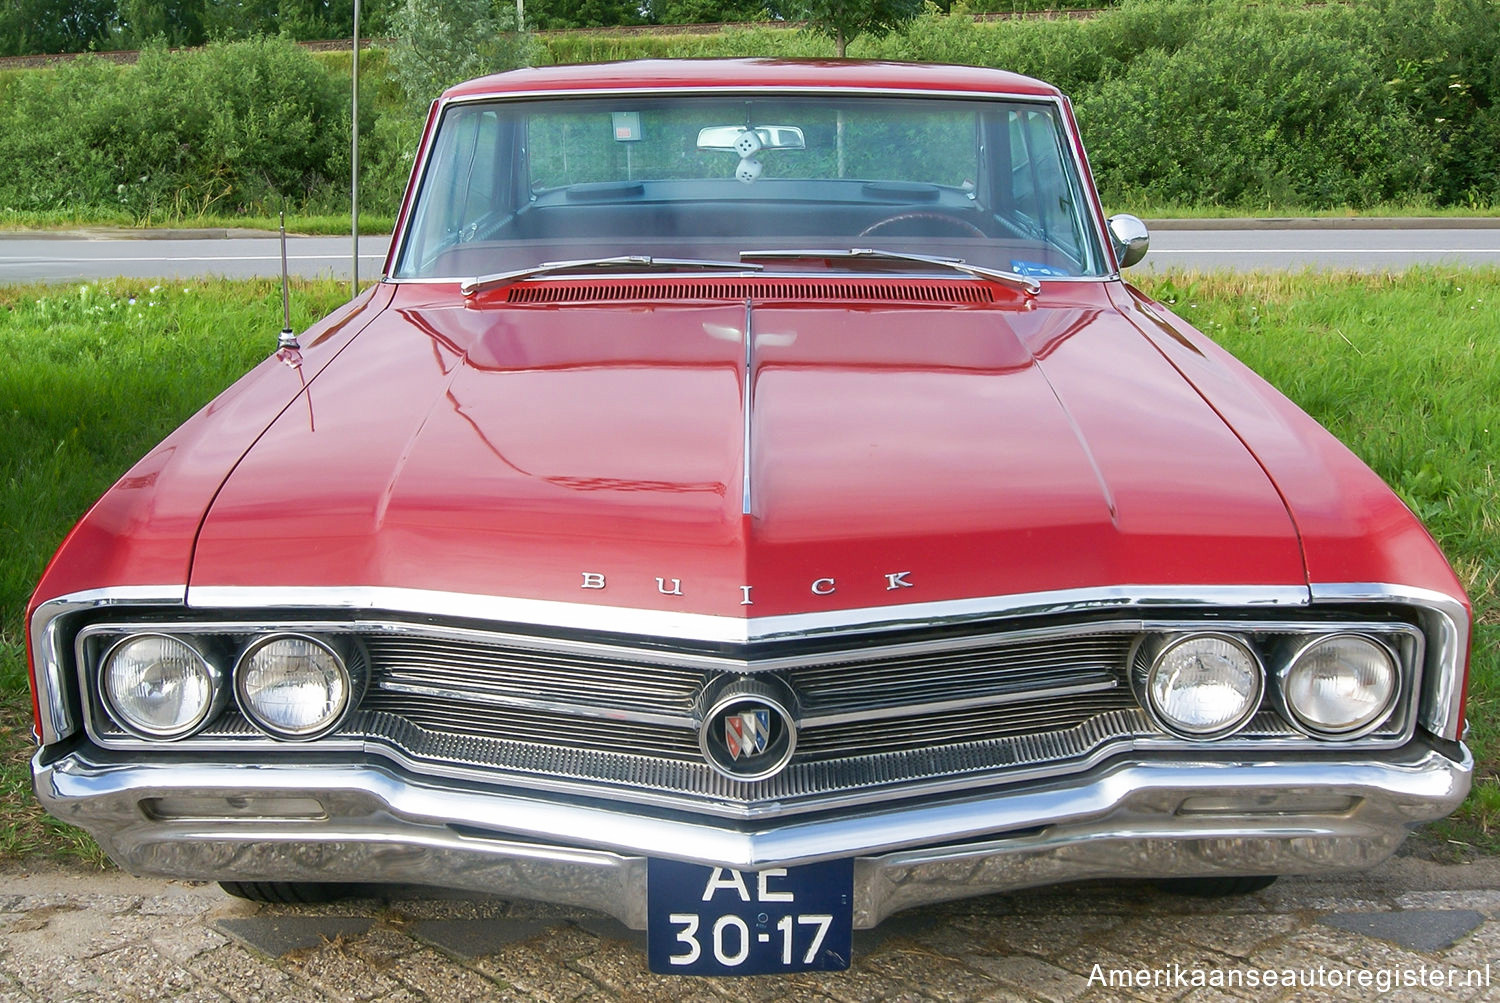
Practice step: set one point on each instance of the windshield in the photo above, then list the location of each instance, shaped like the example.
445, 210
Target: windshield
513, 184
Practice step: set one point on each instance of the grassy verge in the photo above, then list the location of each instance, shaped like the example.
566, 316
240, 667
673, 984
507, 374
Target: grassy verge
92, 376
1402, 368
1383, 210
372, 224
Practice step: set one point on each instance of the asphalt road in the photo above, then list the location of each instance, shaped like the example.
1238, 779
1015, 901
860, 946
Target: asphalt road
70, 257
1243, 245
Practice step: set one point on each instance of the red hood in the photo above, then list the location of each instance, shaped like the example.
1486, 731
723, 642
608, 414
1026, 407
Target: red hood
517, 451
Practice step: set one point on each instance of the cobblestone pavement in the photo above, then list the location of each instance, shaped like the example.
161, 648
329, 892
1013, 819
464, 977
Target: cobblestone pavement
1417, 928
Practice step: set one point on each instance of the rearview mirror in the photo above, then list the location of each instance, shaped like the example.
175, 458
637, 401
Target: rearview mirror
725, 138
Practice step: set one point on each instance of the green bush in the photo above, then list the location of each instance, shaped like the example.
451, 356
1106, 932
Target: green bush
229, 127
1263, 106
1198, 102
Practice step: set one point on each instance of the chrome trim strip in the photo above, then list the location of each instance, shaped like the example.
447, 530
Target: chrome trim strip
1447, 626
646, 657
49, 650
519, 701
749, 401
717, 629
957, 704
383, 827
1102, 251
1445, 617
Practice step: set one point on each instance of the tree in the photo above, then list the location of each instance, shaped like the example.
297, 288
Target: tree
226, 20
177, 22
28, 26
705, 11
845, 20
548, 15
441, 42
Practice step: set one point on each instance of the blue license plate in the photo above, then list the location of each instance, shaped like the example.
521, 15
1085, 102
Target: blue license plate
717, 921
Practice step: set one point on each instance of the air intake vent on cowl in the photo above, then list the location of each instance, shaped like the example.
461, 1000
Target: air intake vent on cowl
960, 291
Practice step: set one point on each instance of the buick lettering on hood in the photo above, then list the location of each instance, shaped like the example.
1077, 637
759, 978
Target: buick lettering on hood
750, 504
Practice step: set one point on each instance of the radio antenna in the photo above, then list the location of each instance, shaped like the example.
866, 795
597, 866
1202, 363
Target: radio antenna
288, 339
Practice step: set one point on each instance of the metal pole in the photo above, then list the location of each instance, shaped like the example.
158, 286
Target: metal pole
354, 157
520, 15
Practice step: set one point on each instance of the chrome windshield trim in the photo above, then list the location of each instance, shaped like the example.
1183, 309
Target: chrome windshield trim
718, 629
50, 651
1448, 623
1095, 222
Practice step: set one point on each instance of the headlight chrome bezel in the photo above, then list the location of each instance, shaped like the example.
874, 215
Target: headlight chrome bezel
217, 696
1297, 719
256, 716
1157, 649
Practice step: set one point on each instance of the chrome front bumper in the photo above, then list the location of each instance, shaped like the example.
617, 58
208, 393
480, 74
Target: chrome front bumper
270, 822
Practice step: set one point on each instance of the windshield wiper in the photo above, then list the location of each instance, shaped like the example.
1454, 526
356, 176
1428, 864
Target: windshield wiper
856, 254
624, 262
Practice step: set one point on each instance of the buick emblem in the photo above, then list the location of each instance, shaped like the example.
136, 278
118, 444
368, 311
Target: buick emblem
748, 732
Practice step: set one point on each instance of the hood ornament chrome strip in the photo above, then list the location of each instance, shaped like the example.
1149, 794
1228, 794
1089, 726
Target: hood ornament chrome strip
749, 399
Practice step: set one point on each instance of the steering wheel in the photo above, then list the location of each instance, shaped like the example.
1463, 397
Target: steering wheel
962, 226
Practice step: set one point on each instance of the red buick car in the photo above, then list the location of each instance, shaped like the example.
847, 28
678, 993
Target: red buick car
750, 503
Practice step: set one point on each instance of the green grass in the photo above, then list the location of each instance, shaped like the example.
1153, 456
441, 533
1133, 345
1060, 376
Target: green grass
1402, 368
91, 377
381, 225
1383, 210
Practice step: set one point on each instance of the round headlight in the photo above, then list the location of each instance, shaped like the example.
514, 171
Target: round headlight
159, 686
1204, 685
1340, 685
292, 686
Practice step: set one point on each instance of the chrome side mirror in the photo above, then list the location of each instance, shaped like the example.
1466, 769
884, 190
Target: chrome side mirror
1130, 238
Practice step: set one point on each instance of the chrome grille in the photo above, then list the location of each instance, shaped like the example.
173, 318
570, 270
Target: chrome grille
952, 727
894, 698
445, 716
990, 670
880, 715
480, 671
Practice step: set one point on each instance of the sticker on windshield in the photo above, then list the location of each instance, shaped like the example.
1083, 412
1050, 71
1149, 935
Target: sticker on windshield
1035, 268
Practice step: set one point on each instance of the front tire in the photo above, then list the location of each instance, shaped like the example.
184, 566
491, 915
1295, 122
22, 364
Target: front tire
290, 892
1216, 887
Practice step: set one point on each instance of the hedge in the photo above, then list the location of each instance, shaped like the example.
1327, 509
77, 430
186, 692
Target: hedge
1200, 102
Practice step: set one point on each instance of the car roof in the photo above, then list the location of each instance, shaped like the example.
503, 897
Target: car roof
698, 74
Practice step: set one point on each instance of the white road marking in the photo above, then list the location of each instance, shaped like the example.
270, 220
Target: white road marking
1326, 250
37, 258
